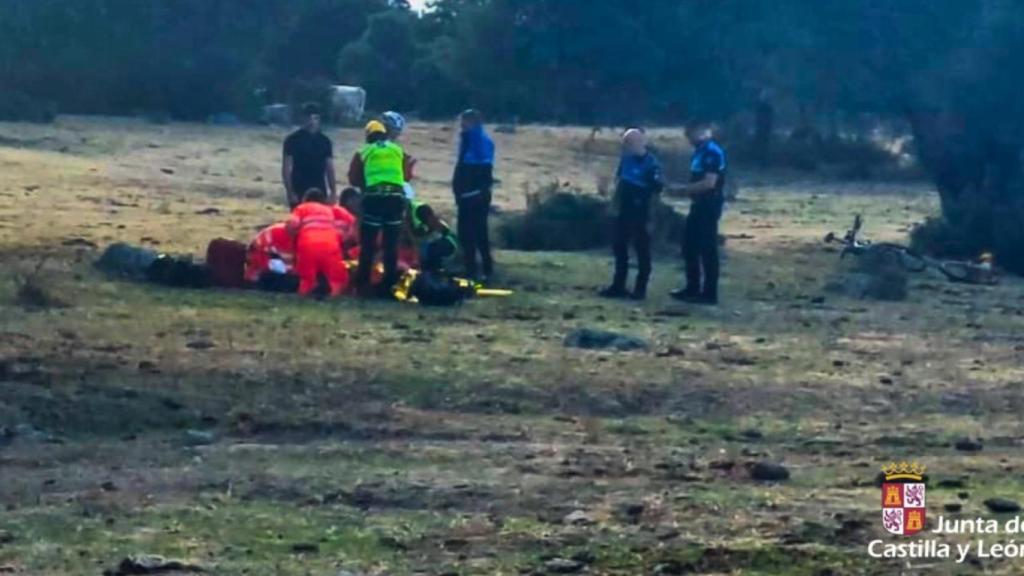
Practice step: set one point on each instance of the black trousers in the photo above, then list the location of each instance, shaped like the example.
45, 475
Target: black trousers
474, 232
382, 216
631, 226
700, 248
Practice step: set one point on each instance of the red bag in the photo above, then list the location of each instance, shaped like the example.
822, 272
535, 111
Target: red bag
226, 261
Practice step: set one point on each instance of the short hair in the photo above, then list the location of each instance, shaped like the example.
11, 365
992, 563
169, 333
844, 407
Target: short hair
350, 193
311, 109
473, 115
425, 212
315, 195
694, 126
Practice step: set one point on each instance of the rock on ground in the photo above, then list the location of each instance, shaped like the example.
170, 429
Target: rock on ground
769, 472
1002, 505
592, 339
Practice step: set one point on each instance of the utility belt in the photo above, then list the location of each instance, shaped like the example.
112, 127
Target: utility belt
383, 209
385, 190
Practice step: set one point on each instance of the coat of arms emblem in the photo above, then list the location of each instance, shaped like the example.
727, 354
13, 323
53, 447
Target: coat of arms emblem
903, 500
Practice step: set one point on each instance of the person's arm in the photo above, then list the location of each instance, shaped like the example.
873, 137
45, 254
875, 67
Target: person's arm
356, 175
409, 168
332, 183
706, 184
293, 224
435, 224
713, 164
287, 165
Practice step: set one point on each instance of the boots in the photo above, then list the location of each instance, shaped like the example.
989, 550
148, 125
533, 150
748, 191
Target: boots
640, 288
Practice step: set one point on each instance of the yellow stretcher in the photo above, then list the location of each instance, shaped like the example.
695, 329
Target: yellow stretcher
403, 290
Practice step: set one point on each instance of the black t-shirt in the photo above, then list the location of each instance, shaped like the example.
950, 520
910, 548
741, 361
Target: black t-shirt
310, 152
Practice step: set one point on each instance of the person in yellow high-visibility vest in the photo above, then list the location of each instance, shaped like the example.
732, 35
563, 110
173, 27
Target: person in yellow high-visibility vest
383, 206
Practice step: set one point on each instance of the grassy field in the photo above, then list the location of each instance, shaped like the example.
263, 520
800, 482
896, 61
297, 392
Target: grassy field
255, 434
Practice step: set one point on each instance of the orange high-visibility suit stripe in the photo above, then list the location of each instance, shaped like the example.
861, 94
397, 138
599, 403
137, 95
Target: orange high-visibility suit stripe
273, 241
318, 248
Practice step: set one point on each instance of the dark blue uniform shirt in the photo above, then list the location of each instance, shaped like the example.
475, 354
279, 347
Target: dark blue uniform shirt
709, 158
639, 179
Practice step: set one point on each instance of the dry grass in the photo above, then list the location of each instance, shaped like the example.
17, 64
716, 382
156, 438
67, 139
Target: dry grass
399, 439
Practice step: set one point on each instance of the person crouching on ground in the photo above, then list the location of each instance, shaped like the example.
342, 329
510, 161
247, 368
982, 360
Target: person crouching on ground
318, 244
472, 184
270, 260
435, 240
706, 190
638, 181
383, 206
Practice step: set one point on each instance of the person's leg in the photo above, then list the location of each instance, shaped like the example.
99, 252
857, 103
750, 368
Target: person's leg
367, 252
483, 234
305, 267
390, 256
393, 217
467, 236
710, 258
620, 248
642, 242
691, 253
336, 272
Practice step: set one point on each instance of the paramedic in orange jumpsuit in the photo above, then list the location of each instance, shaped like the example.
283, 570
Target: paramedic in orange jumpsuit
318, 244
273, 242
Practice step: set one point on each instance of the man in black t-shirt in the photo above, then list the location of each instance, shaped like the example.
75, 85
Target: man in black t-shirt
308, 159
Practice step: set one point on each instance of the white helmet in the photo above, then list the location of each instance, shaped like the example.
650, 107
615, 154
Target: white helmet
394, 121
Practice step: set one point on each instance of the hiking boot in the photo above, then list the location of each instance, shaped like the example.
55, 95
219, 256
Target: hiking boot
640, 289
706, 300
684, 295
613, 292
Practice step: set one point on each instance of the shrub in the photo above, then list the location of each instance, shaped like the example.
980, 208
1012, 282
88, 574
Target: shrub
558, 219
561, 218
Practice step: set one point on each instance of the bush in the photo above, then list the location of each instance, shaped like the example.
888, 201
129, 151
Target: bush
560, 218
19, 107
557, 219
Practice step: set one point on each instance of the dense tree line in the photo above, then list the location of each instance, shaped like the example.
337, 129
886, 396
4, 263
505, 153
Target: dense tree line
568, 60
951, 67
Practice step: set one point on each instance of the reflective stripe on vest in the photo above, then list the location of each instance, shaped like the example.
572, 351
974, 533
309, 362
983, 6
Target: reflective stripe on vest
316, 223
383, 163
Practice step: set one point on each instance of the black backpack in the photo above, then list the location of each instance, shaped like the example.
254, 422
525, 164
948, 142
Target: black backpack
178, 272
436, 289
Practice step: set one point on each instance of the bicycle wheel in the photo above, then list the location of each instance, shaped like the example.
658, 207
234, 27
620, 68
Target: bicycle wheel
956, 271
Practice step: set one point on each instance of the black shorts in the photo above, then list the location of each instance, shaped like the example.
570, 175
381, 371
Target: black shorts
383, 209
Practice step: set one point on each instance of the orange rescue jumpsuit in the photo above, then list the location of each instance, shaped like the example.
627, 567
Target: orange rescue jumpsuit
273, 241
317, 247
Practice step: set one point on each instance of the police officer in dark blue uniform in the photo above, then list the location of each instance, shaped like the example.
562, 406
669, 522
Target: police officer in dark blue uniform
706, 191
639, 180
